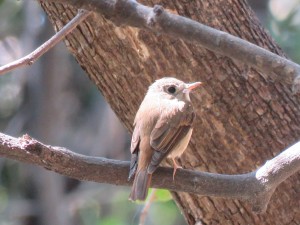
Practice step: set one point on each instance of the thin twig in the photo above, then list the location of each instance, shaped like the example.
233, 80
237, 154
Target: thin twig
256, 187
33, 56
145, 210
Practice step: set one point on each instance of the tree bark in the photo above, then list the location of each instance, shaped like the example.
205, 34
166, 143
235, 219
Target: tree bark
240, 121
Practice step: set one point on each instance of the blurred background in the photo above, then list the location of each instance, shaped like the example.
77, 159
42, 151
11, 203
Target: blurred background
55, 102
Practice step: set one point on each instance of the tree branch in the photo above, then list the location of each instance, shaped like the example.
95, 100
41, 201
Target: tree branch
257, 187
132, 13
33, 56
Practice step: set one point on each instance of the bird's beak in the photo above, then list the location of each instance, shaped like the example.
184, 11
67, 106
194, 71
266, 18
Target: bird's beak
192, 86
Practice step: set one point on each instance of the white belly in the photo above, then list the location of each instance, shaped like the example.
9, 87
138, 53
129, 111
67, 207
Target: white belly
181, 146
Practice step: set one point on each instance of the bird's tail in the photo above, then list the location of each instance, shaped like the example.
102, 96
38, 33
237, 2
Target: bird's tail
140, 185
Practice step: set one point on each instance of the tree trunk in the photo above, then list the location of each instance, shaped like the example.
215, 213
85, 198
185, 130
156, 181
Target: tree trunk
242, 118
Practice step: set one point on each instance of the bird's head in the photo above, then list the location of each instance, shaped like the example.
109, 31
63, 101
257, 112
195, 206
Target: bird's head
172, 88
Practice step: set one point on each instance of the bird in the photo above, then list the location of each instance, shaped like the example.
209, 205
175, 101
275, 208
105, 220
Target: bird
163, 126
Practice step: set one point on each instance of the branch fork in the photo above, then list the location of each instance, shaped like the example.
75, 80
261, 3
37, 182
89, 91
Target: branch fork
157, 11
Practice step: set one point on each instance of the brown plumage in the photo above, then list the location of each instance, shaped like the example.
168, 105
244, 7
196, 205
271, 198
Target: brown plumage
163, 128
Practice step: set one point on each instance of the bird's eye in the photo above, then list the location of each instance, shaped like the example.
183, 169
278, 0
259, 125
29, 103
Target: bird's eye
171, 89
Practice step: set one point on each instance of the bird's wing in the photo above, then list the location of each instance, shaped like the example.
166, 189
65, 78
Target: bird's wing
165, 135
134, 149
135, 139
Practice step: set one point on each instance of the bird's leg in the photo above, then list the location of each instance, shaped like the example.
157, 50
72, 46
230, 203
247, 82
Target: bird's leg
175, 166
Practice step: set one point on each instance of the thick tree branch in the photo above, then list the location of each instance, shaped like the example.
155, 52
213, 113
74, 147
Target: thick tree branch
132, 13
256, 187
33, 56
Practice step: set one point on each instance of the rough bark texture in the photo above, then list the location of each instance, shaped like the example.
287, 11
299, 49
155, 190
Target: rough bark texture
240, 122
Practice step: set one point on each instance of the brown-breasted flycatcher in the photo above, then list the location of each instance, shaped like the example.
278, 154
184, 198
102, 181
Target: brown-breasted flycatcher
163, 128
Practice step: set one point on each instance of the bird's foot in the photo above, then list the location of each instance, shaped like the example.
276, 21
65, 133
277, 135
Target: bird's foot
175, 166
